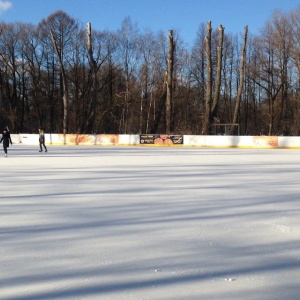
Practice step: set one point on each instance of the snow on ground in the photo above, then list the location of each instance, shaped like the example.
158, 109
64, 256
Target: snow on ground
130, 223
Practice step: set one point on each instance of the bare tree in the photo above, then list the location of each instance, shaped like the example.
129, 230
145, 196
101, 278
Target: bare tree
208, 96
169, 81
94, 68
197, 78
33, 96
12, 72
271, 75
148, 46
241, 82
63, 30
218, 76
159, 91
128, 59
64, 82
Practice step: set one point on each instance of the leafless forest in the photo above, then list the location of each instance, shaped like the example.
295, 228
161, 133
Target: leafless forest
68, 77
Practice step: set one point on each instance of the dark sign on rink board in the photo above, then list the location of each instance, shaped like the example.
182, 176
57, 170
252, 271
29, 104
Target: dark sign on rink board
161, 139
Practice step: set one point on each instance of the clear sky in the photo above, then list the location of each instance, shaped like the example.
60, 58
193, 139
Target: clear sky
184, 16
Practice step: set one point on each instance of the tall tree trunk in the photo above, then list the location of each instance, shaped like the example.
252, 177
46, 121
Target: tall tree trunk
206, 123
241, 83
169, 82
64, 83
93, 103
214, 108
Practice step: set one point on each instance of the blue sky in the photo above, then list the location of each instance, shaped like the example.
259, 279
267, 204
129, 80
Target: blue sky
184, 16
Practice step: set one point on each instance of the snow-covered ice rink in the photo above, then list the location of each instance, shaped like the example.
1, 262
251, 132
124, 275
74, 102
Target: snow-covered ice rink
129, 223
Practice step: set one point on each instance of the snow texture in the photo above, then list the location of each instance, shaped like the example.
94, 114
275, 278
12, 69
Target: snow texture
129, 223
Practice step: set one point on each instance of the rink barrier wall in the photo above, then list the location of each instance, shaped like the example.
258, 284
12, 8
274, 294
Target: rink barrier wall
201, 141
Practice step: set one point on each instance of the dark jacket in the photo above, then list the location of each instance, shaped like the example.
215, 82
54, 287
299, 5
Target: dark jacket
5, 138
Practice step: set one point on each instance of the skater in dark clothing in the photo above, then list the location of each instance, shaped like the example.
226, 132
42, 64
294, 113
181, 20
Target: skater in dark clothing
42, 140
6, 139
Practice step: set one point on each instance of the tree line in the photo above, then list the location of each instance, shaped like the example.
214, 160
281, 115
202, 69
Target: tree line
65, 77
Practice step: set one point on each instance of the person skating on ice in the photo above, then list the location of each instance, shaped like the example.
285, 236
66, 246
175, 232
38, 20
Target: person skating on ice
42, 140
6, 139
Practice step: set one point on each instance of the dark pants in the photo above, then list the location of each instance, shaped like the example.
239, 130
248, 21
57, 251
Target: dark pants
5, 146
42, 144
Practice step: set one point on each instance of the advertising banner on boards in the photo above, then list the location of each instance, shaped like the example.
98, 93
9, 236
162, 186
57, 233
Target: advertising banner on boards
161, 139
265, 141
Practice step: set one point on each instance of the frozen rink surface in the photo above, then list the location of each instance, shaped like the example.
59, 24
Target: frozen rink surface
139, 223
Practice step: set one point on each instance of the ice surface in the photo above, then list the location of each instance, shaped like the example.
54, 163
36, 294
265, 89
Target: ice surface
149, 223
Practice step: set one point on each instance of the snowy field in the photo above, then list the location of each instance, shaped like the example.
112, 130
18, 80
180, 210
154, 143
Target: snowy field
133, 223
